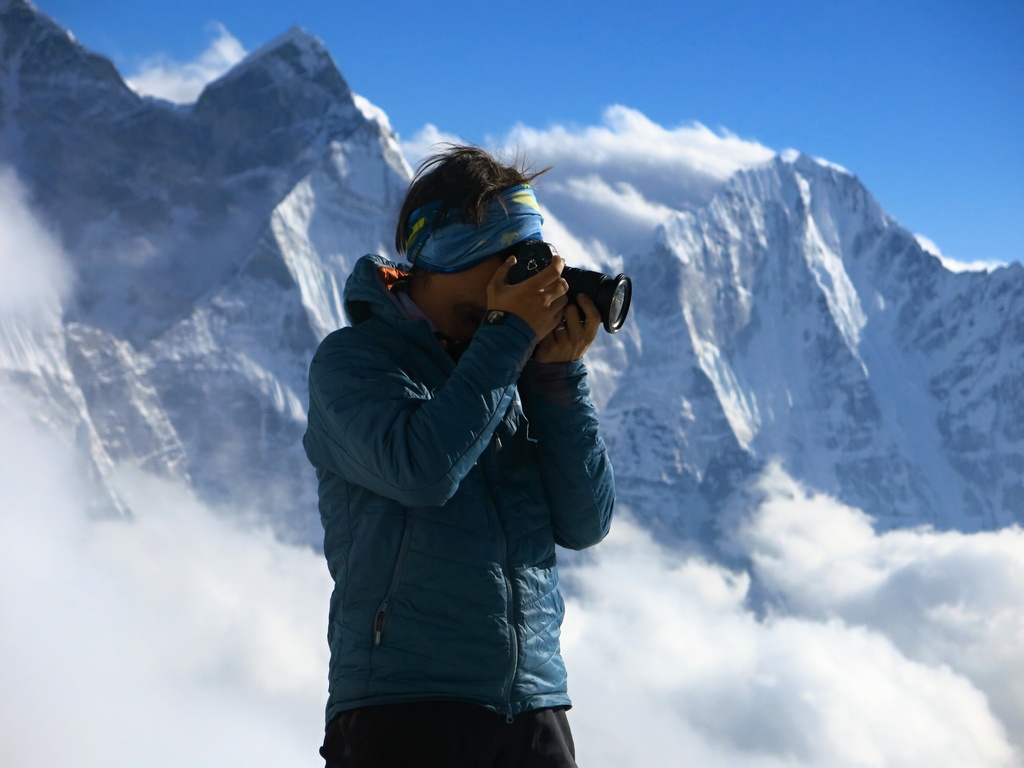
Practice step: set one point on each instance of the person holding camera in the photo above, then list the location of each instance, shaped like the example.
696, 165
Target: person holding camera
455, 445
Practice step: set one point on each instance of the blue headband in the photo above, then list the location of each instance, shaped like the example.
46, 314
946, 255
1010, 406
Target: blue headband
447, 244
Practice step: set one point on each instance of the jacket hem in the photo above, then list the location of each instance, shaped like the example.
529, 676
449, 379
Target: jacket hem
539, 701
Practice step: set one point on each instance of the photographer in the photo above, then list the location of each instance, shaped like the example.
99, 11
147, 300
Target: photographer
455, 445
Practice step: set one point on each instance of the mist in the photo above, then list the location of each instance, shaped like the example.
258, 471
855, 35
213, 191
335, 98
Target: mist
35, 273
891, 649
183, 636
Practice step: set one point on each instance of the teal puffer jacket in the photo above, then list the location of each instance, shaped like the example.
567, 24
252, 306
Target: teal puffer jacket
442, 505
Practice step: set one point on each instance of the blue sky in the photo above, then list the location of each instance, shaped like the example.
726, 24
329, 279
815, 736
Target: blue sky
924, 101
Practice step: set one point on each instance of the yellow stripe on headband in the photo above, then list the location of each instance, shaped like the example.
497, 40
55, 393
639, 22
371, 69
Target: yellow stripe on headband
526, 197
417, 225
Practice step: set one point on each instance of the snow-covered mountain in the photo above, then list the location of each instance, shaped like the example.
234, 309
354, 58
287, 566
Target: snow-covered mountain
789, 319
209, 246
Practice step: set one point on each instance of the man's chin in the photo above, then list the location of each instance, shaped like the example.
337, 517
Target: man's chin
469, 317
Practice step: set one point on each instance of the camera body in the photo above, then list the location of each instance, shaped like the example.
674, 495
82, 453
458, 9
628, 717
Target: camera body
611, 295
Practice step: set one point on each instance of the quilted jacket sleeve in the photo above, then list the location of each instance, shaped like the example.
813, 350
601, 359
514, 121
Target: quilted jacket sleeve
577, 474
374, 422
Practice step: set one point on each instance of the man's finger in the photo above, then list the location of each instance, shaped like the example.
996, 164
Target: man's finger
548, 275
573, 323
501, 275
591, 315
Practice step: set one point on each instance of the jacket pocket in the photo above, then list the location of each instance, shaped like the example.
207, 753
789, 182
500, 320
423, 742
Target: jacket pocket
381, 618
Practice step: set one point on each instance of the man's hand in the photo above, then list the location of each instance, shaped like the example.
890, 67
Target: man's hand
573, 336
539, 300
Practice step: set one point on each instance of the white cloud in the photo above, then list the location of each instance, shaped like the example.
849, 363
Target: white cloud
182, 82
970, 266
182, 639
615, 216
617, 181
620, 200
952, 264
426, 141
670, 664
675, 167
943, 598
175, 639
31, 261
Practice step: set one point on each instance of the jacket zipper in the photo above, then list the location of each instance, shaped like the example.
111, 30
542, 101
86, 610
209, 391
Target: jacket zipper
380, 620
513, 636
513, 660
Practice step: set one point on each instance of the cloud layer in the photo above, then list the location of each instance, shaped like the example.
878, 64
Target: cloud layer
863, 648
183, 639
175, 639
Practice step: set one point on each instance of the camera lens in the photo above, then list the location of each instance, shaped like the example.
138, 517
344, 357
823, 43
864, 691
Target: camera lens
611, 295
619, 304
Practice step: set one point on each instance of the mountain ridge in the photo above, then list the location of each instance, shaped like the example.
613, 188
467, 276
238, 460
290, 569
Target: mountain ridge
789, 320
776, 277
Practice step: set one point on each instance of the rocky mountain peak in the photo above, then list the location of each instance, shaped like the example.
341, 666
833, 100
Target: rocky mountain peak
282, 98
292, 56
157, 204
48, 67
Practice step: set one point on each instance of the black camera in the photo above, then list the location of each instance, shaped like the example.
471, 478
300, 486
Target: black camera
611, 294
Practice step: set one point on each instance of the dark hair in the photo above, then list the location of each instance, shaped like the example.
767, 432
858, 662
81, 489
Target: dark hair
465, 178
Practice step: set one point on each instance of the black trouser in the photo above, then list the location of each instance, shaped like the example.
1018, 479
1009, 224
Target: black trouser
449, 734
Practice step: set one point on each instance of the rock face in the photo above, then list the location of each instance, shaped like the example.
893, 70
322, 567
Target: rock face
789, 319
209, 245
